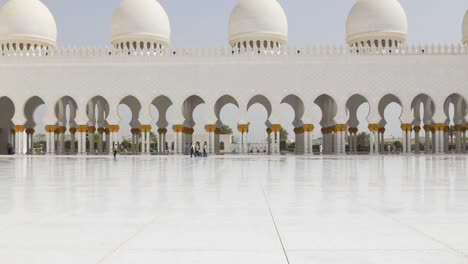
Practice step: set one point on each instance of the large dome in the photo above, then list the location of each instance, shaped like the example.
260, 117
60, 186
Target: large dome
378, 22
27, 22
140, 21
465, 29
258, 22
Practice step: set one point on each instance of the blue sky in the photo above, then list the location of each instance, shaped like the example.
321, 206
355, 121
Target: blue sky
203, 23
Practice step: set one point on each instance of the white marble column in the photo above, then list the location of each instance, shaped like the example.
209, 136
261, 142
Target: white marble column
20, 139
50, 139
211, 140
244, 130
427, 139
91, 131
276, 139
373, 130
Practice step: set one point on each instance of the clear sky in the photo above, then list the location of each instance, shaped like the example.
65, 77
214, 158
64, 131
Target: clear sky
204, 23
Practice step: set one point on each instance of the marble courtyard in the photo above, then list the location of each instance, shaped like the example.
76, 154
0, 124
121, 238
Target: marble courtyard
234, 209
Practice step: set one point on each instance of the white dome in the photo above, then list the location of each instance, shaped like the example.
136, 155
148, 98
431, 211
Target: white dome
258, 20
465, 28
377, 20
27, 22
141, 20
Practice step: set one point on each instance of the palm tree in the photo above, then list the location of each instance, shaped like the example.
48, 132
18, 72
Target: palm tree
363, 139
283, 134
226, 130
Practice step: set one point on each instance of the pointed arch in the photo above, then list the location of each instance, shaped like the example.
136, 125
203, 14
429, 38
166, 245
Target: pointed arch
188, 108
162, 104
298, 106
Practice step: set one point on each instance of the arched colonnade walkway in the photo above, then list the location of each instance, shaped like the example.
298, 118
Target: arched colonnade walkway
96, 117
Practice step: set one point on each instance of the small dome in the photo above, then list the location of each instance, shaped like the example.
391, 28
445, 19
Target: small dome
465, 29
258, 21
143, 21
377, 20
27, 22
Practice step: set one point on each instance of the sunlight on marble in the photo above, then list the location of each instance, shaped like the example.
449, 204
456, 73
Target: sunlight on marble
234, 209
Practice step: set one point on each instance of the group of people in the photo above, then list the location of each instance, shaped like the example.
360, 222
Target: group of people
196, 150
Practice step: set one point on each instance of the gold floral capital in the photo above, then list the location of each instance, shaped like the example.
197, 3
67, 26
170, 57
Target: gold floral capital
50, 128
145, 128
275, 128
19, 128
299, 130
211, 128
353, 130
81, 129
374, 127
440, 127
428, 128
113, 128
243, 128
407, 127
308, 127
178, 128
340, 127
61, 130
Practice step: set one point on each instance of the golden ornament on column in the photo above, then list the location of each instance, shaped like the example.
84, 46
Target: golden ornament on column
178, 128
308, 127
275, 128
50, 128
210, 128
299, 130
243, 128
374, 127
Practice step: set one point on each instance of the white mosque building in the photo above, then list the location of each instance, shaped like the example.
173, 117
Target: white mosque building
142, 68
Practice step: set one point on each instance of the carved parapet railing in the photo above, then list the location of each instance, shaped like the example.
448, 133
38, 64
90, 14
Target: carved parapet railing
289, 51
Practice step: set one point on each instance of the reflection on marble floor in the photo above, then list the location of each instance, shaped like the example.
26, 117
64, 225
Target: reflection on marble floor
234, 209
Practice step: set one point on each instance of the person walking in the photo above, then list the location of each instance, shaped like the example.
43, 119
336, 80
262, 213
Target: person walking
115, 152
204, 150
192, 150
197, 150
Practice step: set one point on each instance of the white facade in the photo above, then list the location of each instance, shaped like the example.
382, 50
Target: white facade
260, 70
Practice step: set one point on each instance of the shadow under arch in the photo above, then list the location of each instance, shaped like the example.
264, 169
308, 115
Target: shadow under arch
30, 107
98, 111
221, 103
459, 105
262, 100
428, 106
60, 111
384, 102
329, 108
298, 106
188, 108
162, 104
7, 112
352, 105
135, 107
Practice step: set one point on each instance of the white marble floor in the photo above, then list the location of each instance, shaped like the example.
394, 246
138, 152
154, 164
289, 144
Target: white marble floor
234, 209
